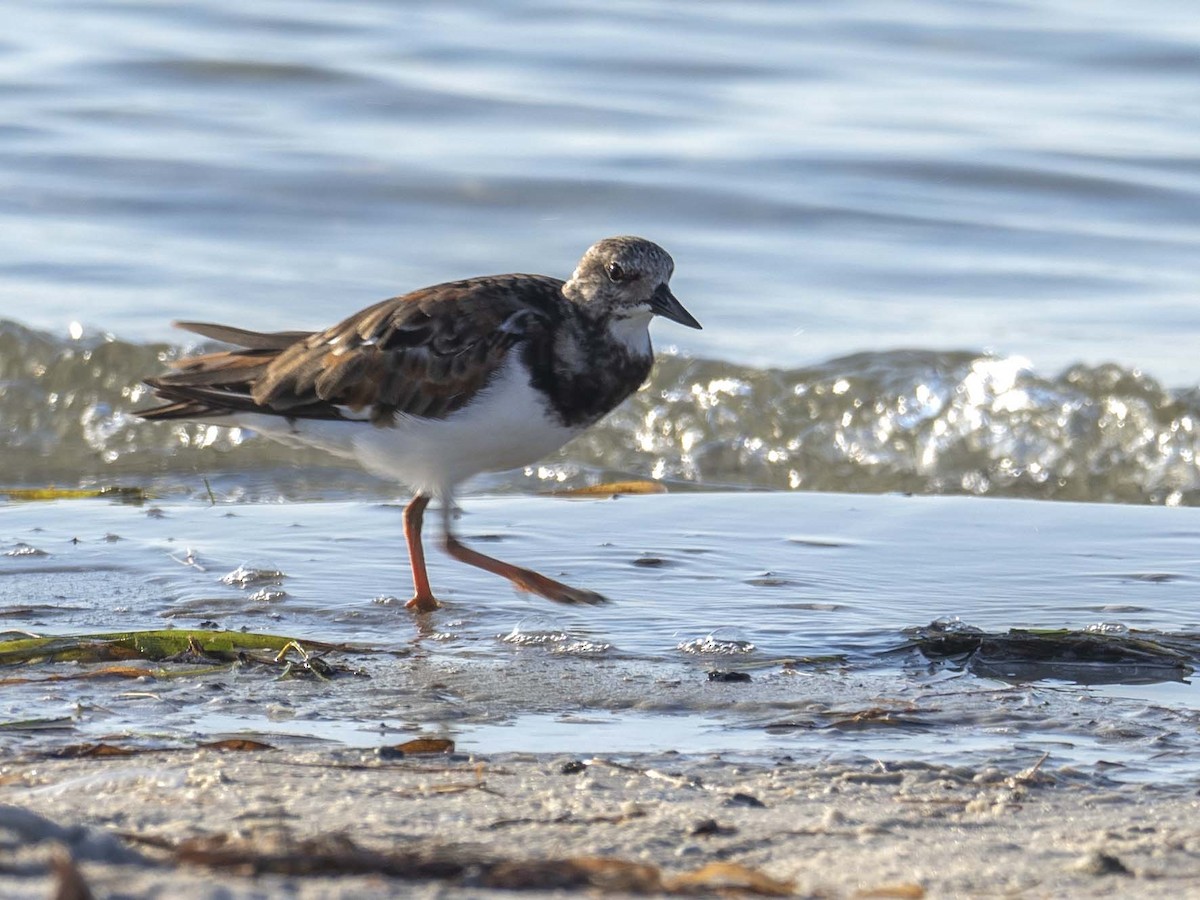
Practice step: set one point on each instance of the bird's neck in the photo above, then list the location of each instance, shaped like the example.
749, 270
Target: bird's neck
631, 333
589, 366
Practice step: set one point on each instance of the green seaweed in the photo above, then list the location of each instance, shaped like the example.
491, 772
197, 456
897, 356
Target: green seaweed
163, 646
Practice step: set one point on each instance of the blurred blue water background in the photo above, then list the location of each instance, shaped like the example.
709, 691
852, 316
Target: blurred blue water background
869, 175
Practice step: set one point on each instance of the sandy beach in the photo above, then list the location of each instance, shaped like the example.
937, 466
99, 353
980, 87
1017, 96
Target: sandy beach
209, 824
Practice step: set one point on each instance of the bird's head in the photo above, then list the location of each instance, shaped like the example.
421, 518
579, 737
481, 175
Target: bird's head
627, 278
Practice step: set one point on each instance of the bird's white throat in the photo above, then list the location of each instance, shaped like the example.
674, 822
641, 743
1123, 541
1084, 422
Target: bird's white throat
633, 332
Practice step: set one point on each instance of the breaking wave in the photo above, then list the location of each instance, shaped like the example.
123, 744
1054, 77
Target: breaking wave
916, 420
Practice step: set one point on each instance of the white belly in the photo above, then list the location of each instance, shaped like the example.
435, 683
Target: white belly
504, 427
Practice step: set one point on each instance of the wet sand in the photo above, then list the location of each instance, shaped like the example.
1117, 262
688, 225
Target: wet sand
481, 826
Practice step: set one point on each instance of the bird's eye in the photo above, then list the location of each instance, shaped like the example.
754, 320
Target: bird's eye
616, 273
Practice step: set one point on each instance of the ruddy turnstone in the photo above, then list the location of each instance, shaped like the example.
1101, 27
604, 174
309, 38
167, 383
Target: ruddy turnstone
448, 381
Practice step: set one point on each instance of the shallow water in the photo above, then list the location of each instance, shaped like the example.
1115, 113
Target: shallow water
765, 584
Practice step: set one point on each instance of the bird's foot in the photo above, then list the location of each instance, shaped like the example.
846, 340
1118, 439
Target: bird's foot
423, 603
555, 591
525, 579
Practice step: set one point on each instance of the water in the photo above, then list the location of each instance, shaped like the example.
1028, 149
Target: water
919, 421
869, 175
938, 248
811, 595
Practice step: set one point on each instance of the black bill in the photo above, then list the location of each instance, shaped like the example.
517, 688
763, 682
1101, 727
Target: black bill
664, 304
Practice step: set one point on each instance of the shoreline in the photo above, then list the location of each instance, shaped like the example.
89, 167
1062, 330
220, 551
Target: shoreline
343, 823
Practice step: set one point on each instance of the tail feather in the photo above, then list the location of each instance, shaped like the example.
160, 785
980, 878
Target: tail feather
194, 402
182, 409
217, 385
201, 401
241, 337
225, 383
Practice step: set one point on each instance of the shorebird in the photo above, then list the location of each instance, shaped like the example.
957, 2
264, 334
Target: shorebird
445, 382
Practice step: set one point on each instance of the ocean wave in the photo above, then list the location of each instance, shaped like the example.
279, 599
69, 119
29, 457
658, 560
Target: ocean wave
919, 421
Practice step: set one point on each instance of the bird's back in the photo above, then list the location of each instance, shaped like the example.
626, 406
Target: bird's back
425, 354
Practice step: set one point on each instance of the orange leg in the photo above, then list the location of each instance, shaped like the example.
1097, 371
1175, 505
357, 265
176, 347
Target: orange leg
414, 514
525, 579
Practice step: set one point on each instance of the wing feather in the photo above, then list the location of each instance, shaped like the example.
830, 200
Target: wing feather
422, 354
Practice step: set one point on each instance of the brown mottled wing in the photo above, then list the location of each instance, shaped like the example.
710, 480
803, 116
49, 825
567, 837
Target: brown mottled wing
218, 384
424, 354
